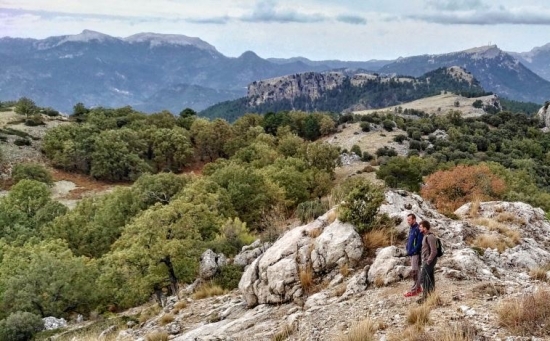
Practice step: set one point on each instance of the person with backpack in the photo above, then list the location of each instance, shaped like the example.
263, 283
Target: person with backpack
429, 260
414, 246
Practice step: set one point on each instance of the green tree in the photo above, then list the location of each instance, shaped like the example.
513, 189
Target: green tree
79, 112
322, 156
20, 326
171, 148
401, 172
96, 223
250, 194
26, 106
361, 203
116, 155
45, 279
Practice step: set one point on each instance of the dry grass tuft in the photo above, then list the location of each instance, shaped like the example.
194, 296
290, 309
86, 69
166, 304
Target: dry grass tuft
490, 289
362, 331
283, 334
474, 208
434, 300
507, 217
180, 305
379, 281
489, 241
529, 315
511, 237
306, 278
340, 289
148, 313
208, 290
412, 333
540, 273
314, 233
166, 318
331, 216
375, 239
344, 270
157, 336
419, 315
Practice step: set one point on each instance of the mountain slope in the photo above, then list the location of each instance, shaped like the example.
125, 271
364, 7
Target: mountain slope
337, 91
538, 60
100, 70
496, 70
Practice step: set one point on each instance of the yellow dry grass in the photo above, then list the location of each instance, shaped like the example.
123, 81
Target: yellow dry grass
375, 239
527, 315
208, 290
157, 336
361, 331
166, 318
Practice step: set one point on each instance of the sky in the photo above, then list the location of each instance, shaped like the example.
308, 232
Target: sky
317, 29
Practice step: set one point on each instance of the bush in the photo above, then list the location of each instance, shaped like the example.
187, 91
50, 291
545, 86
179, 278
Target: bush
229, 276
309, 210
356, 149
400, 138
361, 203
400, 172
20, 326
388, 125
367, 157
477, 104
34, 120
385, 151
31, 171
450, 189
365, 126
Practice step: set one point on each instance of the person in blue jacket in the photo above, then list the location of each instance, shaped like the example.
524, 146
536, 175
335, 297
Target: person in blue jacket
414, 246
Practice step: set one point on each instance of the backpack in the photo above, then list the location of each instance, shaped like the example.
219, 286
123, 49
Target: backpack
439, 247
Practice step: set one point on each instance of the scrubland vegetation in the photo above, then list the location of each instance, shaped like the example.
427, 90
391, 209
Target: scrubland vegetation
115, 251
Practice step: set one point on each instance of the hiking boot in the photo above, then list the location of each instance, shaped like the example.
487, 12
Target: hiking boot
412, 293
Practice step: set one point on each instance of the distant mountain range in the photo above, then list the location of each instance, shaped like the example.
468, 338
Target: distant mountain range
496, 70
152, 71
100, 70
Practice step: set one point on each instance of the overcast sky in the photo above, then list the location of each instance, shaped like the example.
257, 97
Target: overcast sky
316, 29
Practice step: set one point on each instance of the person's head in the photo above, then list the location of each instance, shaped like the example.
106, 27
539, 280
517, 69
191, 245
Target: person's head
424, 226
411, 219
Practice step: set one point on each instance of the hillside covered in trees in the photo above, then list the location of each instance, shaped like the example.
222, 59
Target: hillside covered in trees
115, 251
379, 92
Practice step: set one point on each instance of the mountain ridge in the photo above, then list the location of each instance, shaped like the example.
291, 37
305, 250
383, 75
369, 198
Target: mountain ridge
496, 70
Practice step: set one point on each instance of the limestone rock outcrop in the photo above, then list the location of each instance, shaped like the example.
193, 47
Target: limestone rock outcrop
210, 263
318, 247
544, 114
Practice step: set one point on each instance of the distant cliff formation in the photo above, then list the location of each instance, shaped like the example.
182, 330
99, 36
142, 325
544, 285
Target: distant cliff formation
310, 84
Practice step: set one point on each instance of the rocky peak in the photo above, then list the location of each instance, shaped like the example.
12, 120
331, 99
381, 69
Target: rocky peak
157, 39
488, 51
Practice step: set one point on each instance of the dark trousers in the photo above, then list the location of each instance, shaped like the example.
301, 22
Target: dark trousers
428, 278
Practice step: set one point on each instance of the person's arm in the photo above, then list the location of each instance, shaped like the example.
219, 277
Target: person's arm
433, 248
419, 236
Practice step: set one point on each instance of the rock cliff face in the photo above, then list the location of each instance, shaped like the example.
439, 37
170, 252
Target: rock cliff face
544, 115
309, 84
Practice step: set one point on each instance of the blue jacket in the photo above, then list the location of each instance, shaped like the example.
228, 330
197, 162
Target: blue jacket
414, 243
